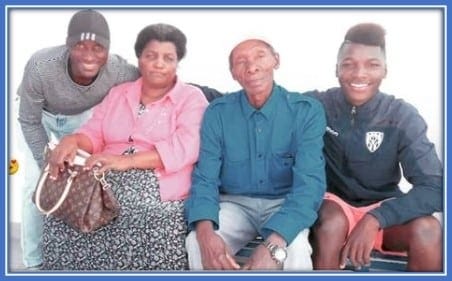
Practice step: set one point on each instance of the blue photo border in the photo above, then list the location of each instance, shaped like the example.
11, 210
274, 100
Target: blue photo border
332, 4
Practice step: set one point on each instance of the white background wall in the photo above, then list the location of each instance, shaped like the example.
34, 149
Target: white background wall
307, 40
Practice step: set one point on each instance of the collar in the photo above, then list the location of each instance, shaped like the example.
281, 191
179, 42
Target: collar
134, 93
267, 110
367, 107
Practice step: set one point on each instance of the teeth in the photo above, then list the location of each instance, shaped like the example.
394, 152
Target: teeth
359, 85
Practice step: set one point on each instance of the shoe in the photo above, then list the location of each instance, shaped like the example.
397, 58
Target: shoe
35, 267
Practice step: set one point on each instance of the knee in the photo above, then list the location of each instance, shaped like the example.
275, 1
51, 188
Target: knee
191, 243
301, 243
331, 220
299, 253
193, 252
426, 231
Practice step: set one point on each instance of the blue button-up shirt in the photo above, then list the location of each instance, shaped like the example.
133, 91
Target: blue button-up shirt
271, 152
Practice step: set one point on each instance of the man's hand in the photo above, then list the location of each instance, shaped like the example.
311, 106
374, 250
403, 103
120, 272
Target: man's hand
215, 254
261, 257
360, 242
63, 153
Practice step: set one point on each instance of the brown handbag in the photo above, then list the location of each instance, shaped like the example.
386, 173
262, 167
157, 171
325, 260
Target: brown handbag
81, 198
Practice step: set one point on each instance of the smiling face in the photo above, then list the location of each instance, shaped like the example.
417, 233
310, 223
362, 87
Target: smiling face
360, 70
86, 59
252, 65
158, 64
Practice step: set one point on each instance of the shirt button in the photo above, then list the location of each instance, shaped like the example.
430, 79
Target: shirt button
261, 181
259, 155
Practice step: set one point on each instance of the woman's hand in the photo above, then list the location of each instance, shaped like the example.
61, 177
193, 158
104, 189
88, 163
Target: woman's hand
107, 162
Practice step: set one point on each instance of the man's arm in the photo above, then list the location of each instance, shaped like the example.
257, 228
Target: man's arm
203, 202
421, 167
299, 210
209, 93
202, 207
31, 105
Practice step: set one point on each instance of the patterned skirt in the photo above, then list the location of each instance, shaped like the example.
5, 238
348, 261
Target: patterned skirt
147, 235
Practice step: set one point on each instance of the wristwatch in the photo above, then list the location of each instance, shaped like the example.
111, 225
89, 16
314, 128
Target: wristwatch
278, 254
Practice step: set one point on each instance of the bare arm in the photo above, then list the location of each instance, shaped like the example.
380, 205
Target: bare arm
141, 160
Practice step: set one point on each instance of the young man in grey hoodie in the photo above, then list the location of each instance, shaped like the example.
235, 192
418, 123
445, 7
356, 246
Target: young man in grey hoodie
59, 87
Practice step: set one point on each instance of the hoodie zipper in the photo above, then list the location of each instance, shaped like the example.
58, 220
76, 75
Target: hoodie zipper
353, 113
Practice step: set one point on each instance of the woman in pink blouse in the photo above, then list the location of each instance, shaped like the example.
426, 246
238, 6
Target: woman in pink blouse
145, 136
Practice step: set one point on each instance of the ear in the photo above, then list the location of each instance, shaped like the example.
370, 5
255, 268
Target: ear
233, 75
337, 70
386, 71
277, 60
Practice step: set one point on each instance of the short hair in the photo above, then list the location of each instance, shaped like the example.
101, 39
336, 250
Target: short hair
266, 44
370, 34
163, 33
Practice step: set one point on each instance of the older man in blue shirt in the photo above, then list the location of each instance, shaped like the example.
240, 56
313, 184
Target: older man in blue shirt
260, 170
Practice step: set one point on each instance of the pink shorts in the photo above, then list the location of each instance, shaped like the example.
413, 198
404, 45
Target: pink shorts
354, 214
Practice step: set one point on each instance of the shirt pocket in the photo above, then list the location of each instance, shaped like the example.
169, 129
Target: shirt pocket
280, 169
235, 174
159, 125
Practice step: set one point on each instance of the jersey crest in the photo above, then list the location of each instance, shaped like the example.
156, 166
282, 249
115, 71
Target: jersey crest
374, 140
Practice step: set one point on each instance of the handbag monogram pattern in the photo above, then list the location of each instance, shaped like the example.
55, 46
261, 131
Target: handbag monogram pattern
81, 198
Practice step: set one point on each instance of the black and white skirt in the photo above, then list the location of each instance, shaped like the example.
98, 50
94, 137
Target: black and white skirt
147, 235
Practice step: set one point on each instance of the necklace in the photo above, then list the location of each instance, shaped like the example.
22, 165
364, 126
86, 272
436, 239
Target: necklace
141, 109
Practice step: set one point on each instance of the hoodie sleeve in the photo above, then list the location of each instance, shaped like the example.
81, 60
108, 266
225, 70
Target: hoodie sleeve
421, 167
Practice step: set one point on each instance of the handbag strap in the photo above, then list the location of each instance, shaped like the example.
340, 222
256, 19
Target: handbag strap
63, 196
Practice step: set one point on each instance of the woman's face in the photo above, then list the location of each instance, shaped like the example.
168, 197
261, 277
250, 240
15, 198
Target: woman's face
158, 64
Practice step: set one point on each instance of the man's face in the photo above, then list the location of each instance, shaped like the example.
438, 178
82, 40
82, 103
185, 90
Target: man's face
252, 65
87, 57
360, 70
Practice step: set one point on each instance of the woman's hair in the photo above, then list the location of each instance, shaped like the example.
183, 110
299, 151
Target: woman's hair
370, 34
162, 33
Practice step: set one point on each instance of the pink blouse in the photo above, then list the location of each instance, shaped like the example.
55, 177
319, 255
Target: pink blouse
171, 125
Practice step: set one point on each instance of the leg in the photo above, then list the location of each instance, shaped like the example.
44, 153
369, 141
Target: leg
193, 252
299, 253
32, 219
328, 237
422, 239
58, 125
235, 229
